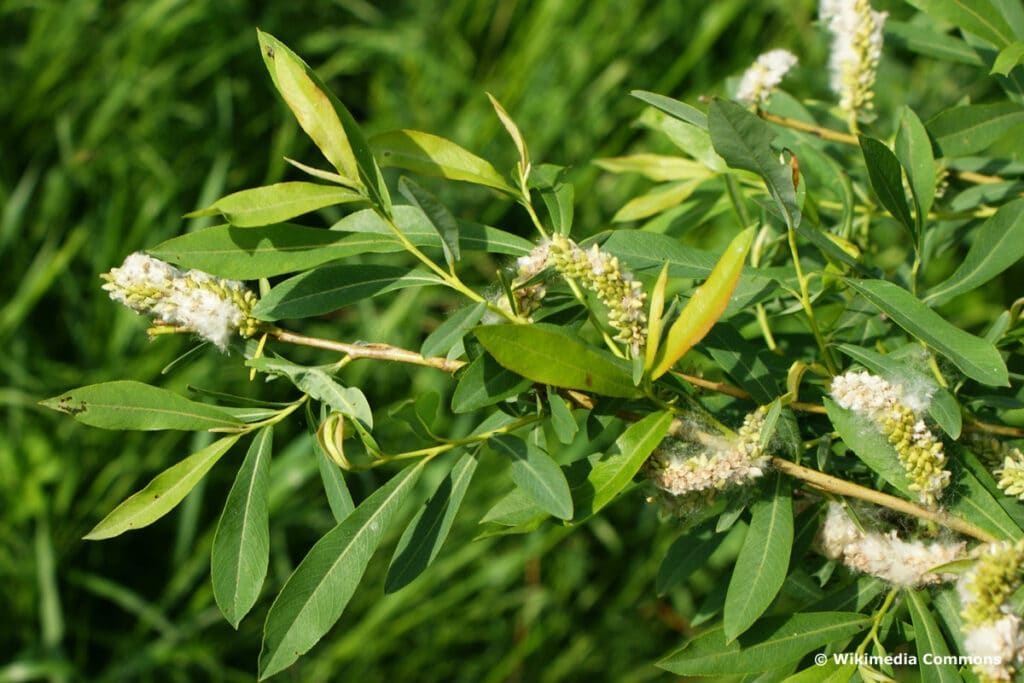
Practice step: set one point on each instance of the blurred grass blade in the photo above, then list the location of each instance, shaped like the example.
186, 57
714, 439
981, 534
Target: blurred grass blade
317, 592
163, 493
127, 404
706, 305
241, 543
276, 203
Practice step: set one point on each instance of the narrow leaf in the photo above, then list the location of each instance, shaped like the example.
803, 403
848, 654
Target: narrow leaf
654, 320
134, 405
329, 288
441, 219
861, 435
426, 533
674, 108
886, 178
977, 358
241, 543
317, 592
687, 554
517, 137
977, 16
534, 471
485, 382
771, 642
1009, 57
998, 245
279, 202
451, 331
914, 151
562, 420
339, 499
349, 401
552, 355
162, 494
929, 641
706, 305
431, 155
763, 560
972, 128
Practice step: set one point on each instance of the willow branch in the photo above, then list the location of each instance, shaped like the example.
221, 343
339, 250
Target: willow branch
374, 351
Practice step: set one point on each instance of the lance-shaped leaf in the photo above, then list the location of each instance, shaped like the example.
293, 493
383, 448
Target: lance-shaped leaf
134, 405
971, 128
977, 358
863, 437
440, 218
998, 245
317, 592
914, 150
744, 141
552, 355
431, 155
426, 533
276, 203
241, 544
329, 288
928, 639
981, 17
654, 321
771, 642
348, 153
674, 108
706, 305
449, 333
162, 494
886, 176
763, 559
515, 134
349, 401
534, 471
612, 474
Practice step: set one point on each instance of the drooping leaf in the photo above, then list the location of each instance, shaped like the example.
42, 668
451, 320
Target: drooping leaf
612, 474
339, 498
133, 405
432, 155
276, 203
241, 543
886, 178
162, 493
763, 560
706, 305
426, 533
440, 218
914, 151
976, 357
552, 355
771, 642
329, 288
998, 245
674, 108
537, 474
928, 639
744, 141
317, 592
349, 401
485, 382
972, 128
452, 330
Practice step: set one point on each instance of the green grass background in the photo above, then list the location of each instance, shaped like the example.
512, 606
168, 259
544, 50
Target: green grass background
120, 117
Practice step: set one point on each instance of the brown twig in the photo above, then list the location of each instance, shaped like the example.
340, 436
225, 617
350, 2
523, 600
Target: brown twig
375, 351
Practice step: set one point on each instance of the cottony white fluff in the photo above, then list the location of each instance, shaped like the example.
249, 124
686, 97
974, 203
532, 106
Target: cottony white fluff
764, 76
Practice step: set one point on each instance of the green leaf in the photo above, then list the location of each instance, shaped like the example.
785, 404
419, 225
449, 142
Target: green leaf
687, 554
317, 592
980, 17
706, 305
972, 128
329, 288
440, 218
977, 358
771, 642
485, 382
349, 401
134, 405
744, 141
162, 493
928, 640
426, 533
975, 504
276, 203
661, 198
913, 148
537, 474
674, 108
449, 333
558, 195
562, 420
612, 474
515, 134
552, 355
351, 153
1009, 57
887, 181
861, 435
763, 559
431, 155
831, 671
241, 543
998, 245
922, 39
339, 499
